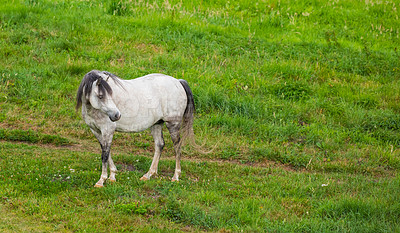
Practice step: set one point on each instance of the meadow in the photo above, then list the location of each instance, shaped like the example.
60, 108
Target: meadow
300, 101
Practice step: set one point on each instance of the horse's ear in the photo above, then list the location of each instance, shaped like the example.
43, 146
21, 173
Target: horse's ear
98, 82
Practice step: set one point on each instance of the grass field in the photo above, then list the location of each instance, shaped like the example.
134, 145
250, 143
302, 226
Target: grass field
300, 99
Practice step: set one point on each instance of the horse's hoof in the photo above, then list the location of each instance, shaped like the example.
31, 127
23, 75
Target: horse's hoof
112, 180
174, 180
144, 178
98, 186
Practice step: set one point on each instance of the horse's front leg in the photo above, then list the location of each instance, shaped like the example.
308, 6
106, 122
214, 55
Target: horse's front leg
105, 153
113, 169
105, 139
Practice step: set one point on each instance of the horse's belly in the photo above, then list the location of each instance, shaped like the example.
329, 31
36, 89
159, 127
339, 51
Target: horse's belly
135, 124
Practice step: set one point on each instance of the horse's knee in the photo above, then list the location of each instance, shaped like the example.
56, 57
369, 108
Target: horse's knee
175, 135
105, 152
160, 144
104, 156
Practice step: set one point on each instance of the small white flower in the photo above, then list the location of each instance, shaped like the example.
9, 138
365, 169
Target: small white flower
324, 185
68, 177
72, 170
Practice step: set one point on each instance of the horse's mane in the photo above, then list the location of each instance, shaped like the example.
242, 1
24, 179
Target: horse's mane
87, 84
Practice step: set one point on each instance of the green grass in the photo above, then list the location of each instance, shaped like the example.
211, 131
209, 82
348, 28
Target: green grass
299, 98
32, 137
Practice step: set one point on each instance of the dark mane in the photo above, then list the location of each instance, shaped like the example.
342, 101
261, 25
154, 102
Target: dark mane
87, 84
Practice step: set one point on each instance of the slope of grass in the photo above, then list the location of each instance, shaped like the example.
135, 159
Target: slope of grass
299, 98
54, 186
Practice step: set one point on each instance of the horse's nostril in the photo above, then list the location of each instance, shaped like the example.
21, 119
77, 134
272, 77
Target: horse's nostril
115, 117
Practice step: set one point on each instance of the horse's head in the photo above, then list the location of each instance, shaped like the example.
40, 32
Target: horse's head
96, 91
101, 99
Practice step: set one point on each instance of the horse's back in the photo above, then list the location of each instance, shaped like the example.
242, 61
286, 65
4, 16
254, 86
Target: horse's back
151, 98
156, 81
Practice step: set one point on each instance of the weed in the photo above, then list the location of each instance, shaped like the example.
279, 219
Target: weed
330, 37
293, 91
117, 7
132, 208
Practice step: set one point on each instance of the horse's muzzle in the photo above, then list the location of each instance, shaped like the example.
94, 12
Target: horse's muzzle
116, 117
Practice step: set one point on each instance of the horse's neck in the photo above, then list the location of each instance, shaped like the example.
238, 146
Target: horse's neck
118, 87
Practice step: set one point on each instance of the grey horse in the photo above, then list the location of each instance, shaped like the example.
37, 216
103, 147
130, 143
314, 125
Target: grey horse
112, 104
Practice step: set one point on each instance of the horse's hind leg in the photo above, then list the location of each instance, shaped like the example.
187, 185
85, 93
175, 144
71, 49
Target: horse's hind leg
174, 130
156, 131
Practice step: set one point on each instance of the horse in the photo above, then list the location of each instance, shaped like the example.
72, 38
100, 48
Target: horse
111, 104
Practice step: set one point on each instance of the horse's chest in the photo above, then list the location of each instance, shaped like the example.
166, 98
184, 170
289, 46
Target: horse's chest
91, 122
96, 120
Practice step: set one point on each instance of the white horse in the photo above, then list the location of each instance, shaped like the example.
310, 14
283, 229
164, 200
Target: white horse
111, 104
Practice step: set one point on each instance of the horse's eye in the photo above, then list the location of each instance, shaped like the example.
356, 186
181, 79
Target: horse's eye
101, 96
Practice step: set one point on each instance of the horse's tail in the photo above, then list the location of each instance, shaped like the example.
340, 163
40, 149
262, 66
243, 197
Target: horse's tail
188, 116
187, 121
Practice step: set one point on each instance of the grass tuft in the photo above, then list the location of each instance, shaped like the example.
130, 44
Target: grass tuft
32, 137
